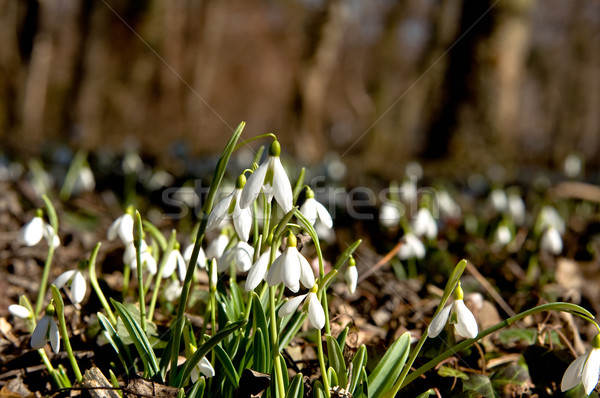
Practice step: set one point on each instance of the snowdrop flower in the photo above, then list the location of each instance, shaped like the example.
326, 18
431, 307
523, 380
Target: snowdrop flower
460, 316
175, 261
187, 256
516, 208
122, 227
216, 248
258, 271
36, 229
78, 284
230, 206
549, 217
85, 181
585, 369
424, 224
173, 290
389, 214
316, 315
314, 210
130, 257
240, 255
503, 236
551, 241
213, 278
409, 191
46, 330
19, 311
448, 207
272, 179
291, 268
573, 165
412, 248
203, 366
499, 200
351, 275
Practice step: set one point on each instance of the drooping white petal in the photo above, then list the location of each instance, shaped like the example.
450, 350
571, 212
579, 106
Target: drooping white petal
503, 235
291, 305
38, 337
258, 271
32, 232
219, 212
149, 262
307, 276
309, 210
438, 322
389, 214
244, 255
351, 279
181, 265
466, 325
591, 371
113, 230
324, 215
216, 248
274, 274
424, 224
205, 367
49, 234
242, 222
282, 189
187, 256
316, 315
63, 278
54, 336
19, 311
78, 287
412, 248
170, 265
551, 241
125, 229
290, 269
572, 375
254, 185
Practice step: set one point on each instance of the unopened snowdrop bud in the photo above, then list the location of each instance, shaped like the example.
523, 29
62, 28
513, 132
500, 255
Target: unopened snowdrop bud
549, 217
585, 369
46, 330
33, 231
573, 165
351, 275
314, 210
551, 241
424, 224
272, 179
458, 314
19, 311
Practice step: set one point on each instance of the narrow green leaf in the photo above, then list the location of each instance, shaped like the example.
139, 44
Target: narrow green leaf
291, 329
390, 366
341, 339
332, 376
260, 352
227, 366
447, 371
115, 341
156, 234
358, 368
427, 393
336, 360
319, 390
296, 388
480, 384
346, 254
197, 391
298, 185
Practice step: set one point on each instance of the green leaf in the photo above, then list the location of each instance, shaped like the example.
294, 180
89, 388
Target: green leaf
515, 374
319, 390
387, 371
427, 393
515, 335
358, 367
480, 384
291, 330
260, 352
156, 234
192, 361
296, 388
227, 365
332, 376
259, 320
336, 360
115, 341
447, 371
197, 391
139, 338
341, 339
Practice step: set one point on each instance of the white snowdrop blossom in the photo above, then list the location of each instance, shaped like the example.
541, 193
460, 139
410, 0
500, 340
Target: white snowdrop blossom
258, 272
187, 256
32, 233
424, 224
19, 311
77, 281
240, 255
230, 206
217, 246
85, 181
408, 189
174, 262
413, 247
573, 165
314, 210
130, 258
499, 200
49, 234
516, 208
351, 275
203, 367
122, 227
460, 316
503, 236
549, 217
291, 268
389, 214
448, 207
551, 241
585, 369
46, 330
272, 179
316, 314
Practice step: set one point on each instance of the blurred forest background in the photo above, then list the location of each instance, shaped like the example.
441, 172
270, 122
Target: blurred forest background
380, 82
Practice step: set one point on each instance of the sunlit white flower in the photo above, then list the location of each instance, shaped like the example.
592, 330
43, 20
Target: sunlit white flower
46, 330
516, 208
314, 210
291, 268
409, 191
230, 206
351, 275
573, 165
33, 231
448, 207
272, 179
389, 214
173, 290
175, 261
50, 235
585, 369
240, 255
503, 236
499, 200
316, 314
549, 217
216, 248
122, 227
413, 247
130, 257
258, 272
460, 316
203, 367
424, 224
77, 281
19, 311
187, 256
85, 181
551, 241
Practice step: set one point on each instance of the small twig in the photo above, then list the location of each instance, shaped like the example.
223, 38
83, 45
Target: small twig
384, 260
490, 289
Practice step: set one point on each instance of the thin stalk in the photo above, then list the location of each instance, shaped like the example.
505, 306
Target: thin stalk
96, 286
322, 364
59, 383
52, 217
137, 233
275, 342
62, 324
163, 261
126, 277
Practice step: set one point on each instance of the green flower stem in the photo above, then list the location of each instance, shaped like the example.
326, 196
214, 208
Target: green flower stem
185, 291
266, 219
96, 286
55, 376
138, 237
72, 173
62, 324
126, 277
246, 142
51, 212
163, 261
275, 341
322, 363
566, 307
